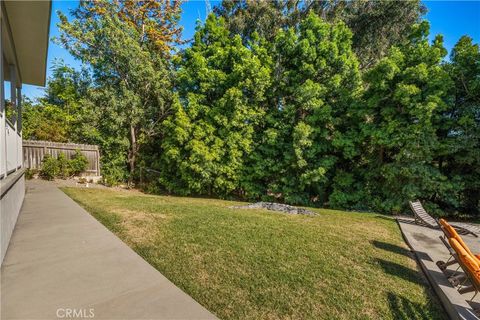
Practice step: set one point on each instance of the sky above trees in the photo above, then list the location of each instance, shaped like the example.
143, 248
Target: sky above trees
452, 19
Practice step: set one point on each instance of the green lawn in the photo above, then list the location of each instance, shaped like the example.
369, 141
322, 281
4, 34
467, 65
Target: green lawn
257, 264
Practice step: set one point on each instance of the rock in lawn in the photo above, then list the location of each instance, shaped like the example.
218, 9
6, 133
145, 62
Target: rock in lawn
276, 207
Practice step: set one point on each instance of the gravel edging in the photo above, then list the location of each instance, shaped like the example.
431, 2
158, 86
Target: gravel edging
279, 207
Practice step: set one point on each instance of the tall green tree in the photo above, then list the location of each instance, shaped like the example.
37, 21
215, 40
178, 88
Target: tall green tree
221, 84
459, 125
66, 85
376, 24
405, 91
307, 131
262, 17
132, 92
155, 20
59, 115
43, 121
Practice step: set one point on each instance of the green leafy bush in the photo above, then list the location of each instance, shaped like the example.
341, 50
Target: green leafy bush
30, 173
50, 168
62, 167
78, 163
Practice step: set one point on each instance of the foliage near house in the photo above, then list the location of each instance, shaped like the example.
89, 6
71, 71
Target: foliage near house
132, 87
337, 104
50, 168
60, 115
257, 264
62, 167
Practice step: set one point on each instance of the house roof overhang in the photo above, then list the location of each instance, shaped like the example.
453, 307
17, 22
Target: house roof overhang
29, 25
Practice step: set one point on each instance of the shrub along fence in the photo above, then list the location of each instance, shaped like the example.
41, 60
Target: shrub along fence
35, 151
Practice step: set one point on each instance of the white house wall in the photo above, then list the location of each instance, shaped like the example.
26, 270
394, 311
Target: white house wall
10, 205
24, 33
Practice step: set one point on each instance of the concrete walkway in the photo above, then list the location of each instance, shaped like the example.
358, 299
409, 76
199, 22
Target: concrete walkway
429, 249
62, 263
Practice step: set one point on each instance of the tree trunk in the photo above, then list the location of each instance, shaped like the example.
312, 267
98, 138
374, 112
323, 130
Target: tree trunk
381, 155
133, 152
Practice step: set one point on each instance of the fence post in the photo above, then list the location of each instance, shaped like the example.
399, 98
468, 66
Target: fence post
98, 161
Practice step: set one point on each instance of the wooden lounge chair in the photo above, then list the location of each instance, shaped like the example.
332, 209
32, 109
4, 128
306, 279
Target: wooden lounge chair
470, 266
423, 218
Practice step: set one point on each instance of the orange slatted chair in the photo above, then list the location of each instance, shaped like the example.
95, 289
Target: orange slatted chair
450, 232
470, 266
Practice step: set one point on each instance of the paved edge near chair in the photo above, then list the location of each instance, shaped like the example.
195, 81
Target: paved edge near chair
454, 304
60, 258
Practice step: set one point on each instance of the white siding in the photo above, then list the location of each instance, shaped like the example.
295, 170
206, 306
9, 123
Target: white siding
10, 206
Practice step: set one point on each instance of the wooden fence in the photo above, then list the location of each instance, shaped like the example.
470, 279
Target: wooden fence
34, 151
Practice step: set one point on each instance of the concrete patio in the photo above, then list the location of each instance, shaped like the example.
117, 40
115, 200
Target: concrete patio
61, 262
429, 249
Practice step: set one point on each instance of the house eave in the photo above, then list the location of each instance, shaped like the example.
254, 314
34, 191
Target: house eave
29, 24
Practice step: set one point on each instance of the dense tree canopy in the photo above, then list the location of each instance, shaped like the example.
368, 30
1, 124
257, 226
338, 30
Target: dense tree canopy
222, 85
307, 133
60, 115
376, 24
132, 91
406, 90
459, 124
156, 21
344, 104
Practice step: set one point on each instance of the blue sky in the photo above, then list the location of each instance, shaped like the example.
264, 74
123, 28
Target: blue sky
452, 19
